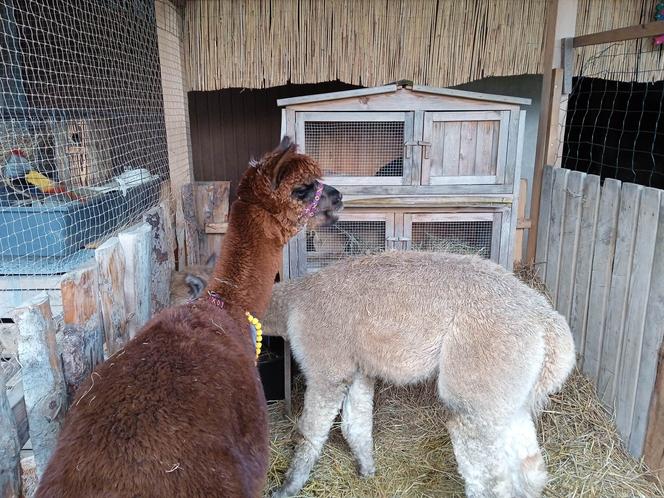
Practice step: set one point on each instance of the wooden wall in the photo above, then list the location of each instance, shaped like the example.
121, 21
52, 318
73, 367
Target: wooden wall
600, 250
230, 126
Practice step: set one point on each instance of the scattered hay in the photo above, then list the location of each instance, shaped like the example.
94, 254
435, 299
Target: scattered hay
414, 454
528, 274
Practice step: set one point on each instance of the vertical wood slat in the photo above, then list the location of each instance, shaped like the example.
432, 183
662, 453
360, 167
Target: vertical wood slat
467, 157
558, 198
43, 382
584, 260
136, 244
451, 146
110, 285
648, 419
600, 278
10, 447
637, 301
544, 222
615, 320
486, 163
570, 240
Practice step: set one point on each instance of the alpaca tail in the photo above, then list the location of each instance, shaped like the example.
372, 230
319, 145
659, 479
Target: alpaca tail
559, 359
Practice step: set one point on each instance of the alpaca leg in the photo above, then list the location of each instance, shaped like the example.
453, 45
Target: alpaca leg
321, 406
357, 421
498, 458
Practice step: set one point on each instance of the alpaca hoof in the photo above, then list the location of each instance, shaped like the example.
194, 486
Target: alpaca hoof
280, 493
368, 472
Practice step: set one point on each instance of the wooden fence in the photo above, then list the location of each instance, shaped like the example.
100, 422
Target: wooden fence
104, 304
600, 250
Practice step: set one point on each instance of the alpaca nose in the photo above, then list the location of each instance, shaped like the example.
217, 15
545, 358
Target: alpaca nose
334, 196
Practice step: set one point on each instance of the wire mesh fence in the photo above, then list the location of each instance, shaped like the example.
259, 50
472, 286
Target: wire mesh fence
613, 119
82, 137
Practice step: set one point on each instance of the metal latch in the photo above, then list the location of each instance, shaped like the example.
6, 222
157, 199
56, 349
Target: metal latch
427, 147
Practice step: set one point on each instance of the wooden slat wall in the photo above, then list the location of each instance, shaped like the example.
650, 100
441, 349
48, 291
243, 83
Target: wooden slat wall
228, 127
601, 254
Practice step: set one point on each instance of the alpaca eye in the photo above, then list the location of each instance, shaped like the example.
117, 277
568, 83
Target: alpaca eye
303, 192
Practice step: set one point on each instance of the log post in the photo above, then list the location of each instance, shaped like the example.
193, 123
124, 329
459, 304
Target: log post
81, 340
163, 254
110, 284
43, 382
10, 448
137, 248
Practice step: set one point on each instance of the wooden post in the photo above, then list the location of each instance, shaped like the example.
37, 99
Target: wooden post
522, 224
137, 248
163, 255
560, 23
110, 285
205, 206
10, 448
43, 382
81, 339
191, 230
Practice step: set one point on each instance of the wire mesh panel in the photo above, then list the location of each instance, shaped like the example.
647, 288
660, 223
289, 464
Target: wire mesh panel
356, 148
326, 245
613, 124
462, 237
82, 135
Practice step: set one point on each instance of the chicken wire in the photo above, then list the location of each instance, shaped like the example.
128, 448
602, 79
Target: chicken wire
461, 237
82, 135
356, 148
327, 245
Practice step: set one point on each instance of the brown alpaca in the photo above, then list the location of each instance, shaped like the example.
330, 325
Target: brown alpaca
180, 411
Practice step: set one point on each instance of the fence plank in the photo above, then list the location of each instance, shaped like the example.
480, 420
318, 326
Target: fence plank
544, 221
616, 311
647, 434
110, 271
584, 260
10, 447
553, 252
137, 249
605, 244
570, 242
637, 300
43, 382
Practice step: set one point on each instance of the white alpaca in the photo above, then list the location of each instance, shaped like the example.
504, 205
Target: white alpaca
496, 346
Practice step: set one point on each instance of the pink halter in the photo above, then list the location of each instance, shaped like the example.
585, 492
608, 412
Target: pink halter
310, 210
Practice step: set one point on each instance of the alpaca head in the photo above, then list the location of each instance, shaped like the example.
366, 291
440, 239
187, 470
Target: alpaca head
285, 183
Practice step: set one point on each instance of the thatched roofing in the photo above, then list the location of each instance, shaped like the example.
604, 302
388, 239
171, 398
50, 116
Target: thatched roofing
263, 43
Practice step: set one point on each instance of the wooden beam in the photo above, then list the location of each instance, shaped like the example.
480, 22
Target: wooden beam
560, 23
163, 254
646, 30
216, 228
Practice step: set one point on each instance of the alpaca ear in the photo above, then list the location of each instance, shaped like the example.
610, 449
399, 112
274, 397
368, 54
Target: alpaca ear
196, 285
283, 153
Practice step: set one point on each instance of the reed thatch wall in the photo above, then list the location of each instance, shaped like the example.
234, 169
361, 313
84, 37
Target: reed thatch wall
633, 60
263, 43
